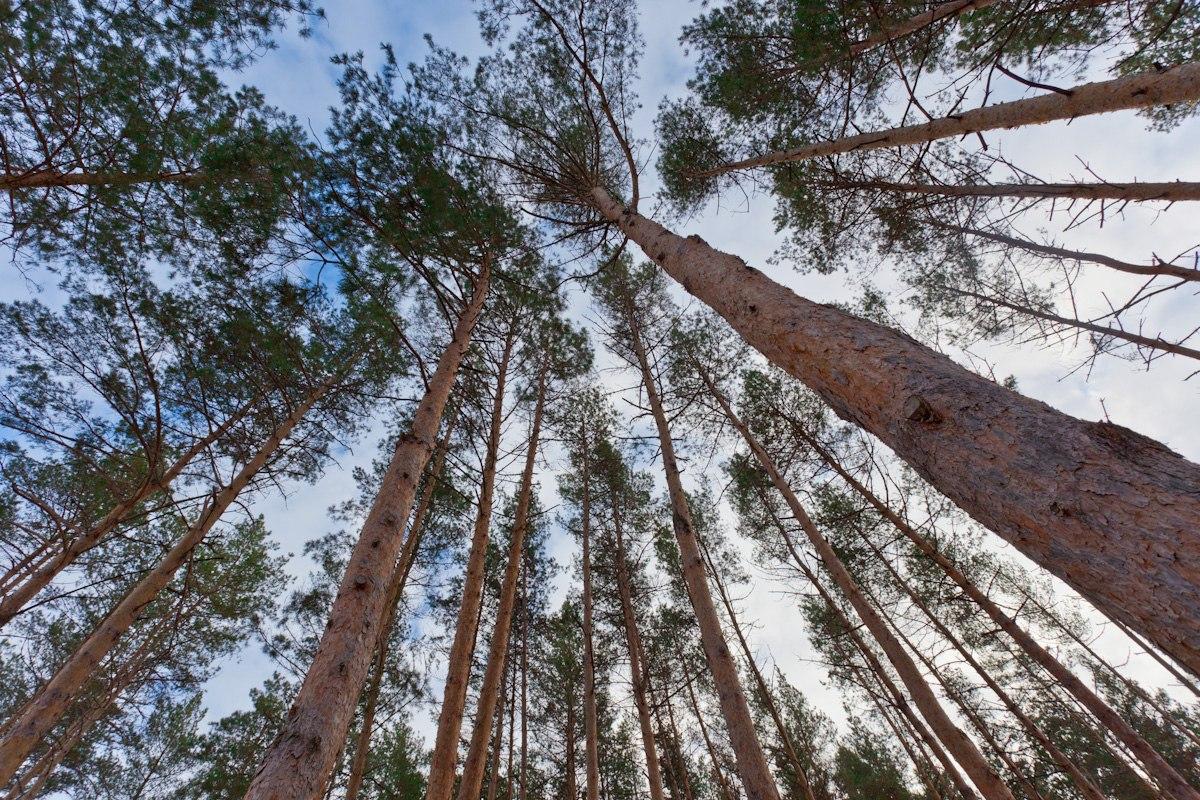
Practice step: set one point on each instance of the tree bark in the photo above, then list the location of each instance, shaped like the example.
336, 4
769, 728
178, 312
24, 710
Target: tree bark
752, 765
301, 758
1177, 84
1160, 268
473, 767
1154, 763
48, 178
633, 645
1109, 511
462, 650
43, 711
18, 597
763, 689
590, 722
708, 744
412, 544
960, 746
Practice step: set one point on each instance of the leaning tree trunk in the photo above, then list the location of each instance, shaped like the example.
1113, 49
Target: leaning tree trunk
764, 690
462, 649
1109, 511
17, 597
633, 645
1178, 84
718, 773
958, 743
590, 724
49, 178
1154, 763
913, 24
44, 710
752, 765
1167, 192
300, 760
489, 691
412, 545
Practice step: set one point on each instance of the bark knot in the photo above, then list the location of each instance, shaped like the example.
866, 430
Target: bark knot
360, 582
917, 409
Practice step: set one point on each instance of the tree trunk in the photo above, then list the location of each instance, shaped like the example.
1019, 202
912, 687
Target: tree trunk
1159, 268
46, 178
590, 722
633, 645
570, 791
752, 765
763, 689
16, 598
684, 779
916, 23
472, 778
1086, 787
301, 758
458, 667
1155, 764
44, 710
1109, 511
708, 744
960, 746
524, 681
497, 748
1177, 84
412, 544
1169, 191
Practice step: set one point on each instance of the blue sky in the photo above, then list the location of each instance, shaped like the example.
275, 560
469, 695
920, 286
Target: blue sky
299, 78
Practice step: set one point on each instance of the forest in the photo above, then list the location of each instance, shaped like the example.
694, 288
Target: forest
620, 511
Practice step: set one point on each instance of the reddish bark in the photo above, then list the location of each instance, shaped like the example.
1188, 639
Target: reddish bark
1112, 513
489, 691
590, 723
299, 762
44, 710
913, 24
462, 649
1177, 84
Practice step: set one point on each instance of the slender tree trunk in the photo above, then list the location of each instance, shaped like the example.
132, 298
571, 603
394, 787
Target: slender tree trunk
916, 23
497, 748
472, 778
1169, 192
46, 178
1109, 511
960, 746
590, 722
302, 757
570, 790
19, 596
1086, 787
1162, 660
525, 680
412, 544
763, 689
1159, 268
752, 765
462, 649
708, 744
633, 645
1177, 84
684, 779
1155, 764
44, 710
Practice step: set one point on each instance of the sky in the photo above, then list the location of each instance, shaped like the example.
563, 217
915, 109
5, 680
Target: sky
299, 78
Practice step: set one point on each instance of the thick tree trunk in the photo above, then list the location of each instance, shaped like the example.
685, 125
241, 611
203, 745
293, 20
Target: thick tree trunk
1178, 84
19, 596
1169, 192
633, 646
301, 758
752, 765
960, 746
763, 689
1154, 763
1109, 511
489, 691
590, 724
462, 649
408, 557
44, 710
1160, 268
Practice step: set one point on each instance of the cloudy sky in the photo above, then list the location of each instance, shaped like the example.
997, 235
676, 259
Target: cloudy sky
299, 78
